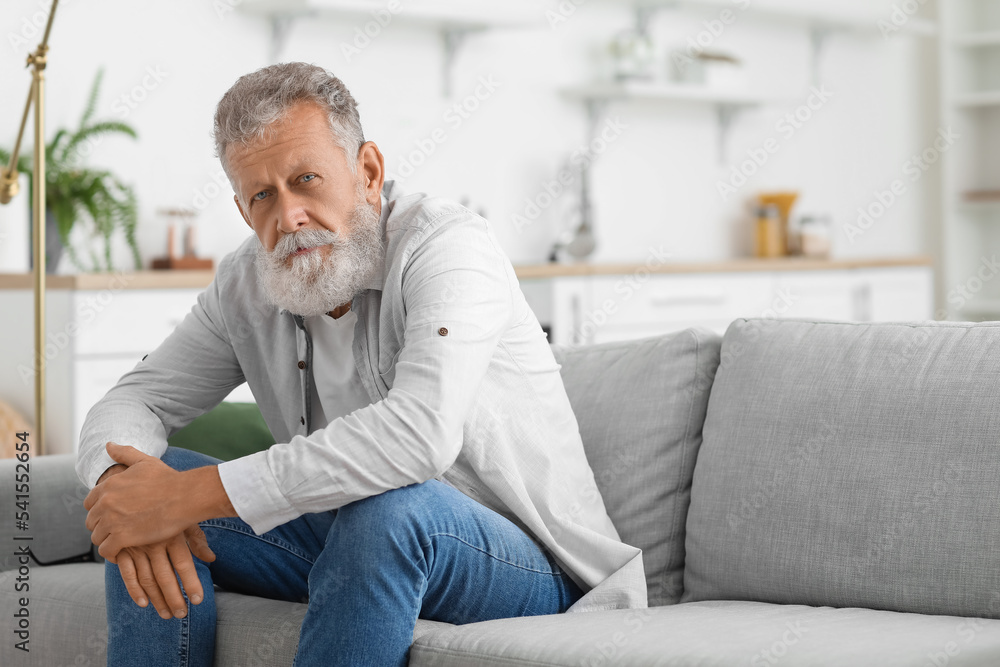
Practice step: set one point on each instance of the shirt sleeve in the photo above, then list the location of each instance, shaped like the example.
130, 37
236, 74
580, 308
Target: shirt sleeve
190, 372
457, 289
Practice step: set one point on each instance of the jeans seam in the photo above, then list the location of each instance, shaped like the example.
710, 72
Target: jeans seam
269, 540
559, 572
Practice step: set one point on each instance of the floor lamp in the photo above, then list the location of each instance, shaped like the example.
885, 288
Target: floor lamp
9, 188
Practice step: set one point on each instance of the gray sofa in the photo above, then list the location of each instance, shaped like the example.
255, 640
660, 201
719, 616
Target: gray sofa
827, 495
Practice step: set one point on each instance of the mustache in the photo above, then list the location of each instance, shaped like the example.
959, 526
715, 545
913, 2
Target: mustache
304, 238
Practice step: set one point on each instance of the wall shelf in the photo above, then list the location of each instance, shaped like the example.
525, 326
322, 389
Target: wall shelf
976, 40
800, 16
989, 98
597, 96
454, 20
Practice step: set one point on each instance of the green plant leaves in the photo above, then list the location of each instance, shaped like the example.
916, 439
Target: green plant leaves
74, 193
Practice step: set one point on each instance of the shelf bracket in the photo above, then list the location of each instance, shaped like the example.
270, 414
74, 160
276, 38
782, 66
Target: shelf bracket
452, 39
818, 36
725, 114
281, 26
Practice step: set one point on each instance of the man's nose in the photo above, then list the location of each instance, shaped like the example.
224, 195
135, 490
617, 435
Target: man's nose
292, 215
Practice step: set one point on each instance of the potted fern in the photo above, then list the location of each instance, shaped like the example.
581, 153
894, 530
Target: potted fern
75, 193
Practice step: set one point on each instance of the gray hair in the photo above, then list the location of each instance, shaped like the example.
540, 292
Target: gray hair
263, 97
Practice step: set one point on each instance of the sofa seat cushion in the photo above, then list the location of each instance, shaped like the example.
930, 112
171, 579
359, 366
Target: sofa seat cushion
716, 634
640, 406
69, 622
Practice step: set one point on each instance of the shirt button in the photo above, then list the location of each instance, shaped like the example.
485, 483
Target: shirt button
442, 331
302, 365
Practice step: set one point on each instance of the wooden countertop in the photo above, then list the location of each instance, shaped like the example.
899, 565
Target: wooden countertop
723, 266
178, 279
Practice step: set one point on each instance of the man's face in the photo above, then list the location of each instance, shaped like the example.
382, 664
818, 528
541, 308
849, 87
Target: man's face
317, 222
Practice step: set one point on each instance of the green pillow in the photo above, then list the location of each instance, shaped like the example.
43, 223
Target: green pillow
227, 432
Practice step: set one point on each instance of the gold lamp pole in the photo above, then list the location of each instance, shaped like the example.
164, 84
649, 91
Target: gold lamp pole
9, 188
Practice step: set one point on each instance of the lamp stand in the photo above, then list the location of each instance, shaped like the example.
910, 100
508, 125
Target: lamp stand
9, 188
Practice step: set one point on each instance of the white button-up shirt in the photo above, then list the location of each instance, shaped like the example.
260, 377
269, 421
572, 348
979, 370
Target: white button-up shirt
463, 384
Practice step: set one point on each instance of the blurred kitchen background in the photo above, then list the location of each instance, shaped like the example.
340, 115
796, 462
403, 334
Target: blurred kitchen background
647, 165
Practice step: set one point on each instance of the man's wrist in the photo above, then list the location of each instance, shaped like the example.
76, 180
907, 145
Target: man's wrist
112, 470
208, 496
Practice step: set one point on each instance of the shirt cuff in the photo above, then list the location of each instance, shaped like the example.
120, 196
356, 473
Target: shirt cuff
253, 490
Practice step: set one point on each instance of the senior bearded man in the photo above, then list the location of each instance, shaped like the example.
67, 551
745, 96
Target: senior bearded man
428, 463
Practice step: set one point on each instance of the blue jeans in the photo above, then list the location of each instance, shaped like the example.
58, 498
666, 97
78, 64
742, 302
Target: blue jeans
368, 570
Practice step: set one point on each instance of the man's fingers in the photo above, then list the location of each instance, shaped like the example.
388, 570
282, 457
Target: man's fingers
126, 566
99, 534
180, 557
91, 498
109, 548
144, 573
165, 577
199, 543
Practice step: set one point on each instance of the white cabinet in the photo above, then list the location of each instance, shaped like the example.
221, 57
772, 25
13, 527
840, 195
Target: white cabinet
92, 338
601, 308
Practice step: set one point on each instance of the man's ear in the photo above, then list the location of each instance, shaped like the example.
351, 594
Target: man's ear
242, 212
371, 164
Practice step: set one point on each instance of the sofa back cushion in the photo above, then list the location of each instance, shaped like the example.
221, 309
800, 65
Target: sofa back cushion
640, 406
851, 465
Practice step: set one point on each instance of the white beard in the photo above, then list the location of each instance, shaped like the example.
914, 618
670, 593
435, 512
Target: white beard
315, 284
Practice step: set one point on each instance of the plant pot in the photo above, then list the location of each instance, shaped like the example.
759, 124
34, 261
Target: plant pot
53, 244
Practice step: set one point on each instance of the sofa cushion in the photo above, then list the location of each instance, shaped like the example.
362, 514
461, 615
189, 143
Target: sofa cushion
69, 622
228, 431
640, 406
57, 520
716, 634
851, 465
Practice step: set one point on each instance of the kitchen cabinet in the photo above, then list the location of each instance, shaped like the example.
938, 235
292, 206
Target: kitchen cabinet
97, 329
599, 306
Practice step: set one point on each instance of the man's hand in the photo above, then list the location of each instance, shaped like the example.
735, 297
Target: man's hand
142, 504
148, 572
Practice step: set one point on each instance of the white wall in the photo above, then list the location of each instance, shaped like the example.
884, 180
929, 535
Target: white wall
654, 186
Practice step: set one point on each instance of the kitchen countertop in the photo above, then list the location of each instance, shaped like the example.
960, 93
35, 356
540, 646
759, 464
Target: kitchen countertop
178, 279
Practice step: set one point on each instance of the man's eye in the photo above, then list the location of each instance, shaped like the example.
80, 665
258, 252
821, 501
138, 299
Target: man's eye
257, 197
308, 177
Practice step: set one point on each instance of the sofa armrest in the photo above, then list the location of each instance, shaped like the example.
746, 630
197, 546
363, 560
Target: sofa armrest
56, 517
